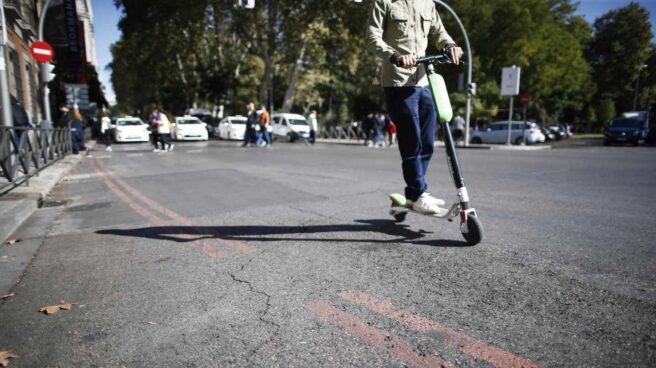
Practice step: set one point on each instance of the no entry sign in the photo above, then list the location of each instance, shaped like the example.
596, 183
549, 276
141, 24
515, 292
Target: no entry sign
42, 51
525, 99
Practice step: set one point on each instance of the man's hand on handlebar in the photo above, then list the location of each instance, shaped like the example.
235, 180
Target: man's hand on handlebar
454, 52
403, 61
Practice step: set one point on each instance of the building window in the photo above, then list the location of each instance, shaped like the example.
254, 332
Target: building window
34, 95
18, 79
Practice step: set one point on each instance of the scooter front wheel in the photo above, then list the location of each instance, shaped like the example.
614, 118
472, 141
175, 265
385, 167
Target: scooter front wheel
474, 234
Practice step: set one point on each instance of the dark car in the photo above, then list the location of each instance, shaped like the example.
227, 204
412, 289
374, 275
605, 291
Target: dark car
625, 129
204, 115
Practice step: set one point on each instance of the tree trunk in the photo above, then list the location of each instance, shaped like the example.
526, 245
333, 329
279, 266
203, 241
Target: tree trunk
296, 74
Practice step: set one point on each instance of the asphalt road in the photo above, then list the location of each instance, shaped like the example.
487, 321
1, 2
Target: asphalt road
215, 255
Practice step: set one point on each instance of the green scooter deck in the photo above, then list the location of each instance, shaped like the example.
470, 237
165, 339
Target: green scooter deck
398, 199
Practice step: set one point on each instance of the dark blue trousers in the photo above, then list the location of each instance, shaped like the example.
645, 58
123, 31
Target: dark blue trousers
413, 112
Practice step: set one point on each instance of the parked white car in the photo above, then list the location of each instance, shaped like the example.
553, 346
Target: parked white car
231, 127
290, 127
189, 128
129, 129
497, 132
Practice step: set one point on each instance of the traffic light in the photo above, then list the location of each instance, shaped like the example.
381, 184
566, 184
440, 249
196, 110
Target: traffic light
51, 72
248, 4
471, 89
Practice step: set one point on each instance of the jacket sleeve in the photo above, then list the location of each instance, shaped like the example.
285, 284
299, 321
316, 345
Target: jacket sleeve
438, 32
374, 41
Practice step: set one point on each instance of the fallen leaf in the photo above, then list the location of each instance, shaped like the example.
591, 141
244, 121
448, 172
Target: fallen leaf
5, 356
151, 323
7, 296
56, 308
50, 310
11, 241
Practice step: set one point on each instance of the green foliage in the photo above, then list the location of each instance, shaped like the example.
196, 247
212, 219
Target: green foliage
605, 111
619, 50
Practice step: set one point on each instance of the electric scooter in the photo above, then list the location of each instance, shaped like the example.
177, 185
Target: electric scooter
470, 226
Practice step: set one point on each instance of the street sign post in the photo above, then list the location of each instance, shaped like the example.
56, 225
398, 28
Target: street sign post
510, 77
42, 51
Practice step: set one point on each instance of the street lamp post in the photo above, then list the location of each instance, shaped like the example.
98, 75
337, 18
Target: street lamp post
637, 88
4, 84
45, 67
469, 68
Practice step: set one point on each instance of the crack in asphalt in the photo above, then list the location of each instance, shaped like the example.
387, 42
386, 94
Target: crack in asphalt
263, 313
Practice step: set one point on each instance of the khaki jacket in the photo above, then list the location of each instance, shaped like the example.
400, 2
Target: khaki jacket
404, 26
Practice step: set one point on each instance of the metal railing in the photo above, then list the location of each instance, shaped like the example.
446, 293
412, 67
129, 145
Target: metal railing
342, 133
24, 152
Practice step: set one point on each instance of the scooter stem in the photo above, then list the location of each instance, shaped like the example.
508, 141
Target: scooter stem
450, 147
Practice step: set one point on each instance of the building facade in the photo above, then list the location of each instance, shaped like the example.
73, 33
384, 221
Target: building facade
22, 30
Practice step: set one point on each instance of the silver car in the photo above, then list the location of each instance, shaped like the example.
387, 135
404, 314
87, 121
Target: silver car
497, 132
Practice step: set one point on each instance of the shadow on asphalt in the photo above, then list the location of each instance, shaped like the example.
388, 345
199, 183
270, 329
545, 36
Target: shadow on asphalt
185, 234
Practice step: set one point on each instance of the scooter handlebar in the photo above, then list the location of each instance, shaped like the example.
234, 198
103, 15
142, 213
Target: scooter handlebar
437, 59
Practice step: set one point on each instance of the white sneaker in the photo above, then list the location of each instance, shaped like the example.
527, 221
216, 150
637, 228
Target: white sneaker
156, 150
108, 149
429, 205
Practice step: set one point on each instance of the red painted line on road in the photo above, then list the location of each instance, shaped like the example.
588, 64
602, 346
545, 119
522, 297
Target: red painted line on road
132, 204
468, 345
205, 248
394, 346
237, 245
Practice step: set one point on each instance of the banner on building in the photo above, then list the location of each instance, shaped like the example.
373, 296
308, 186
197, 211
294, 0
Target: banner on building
77, 95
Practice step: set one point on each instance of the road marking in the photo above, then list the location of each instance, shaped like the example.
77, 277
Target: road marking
195, 151
84, 176
468, 345
207, 249
394, 346
100, 157
237, 245
134, 154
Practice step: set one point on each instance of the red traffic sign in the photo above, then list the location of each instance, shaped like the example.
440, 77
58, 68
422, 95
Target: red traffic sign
525, 99
42, 51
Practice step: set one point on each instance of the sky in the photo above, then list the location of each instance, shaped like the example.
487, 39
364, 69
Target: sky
106, 17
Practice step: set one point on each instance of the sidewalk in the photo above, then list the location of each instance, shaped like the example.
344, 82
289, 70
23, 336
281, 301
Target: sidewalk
17, 205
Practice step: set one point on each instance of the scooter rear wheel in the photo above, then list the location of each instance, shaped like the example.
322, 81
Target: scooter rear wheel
400, 217
475, 230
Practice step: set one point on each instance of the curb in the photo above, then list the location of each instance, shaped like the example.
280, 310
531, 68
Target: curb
489, 147
17, 205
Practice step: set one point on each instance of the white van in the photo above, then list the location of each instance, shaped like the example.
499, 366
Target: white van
290, 127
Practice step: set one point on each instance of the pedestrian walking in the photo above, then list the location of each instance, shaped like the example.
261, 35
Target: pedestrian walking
251, 122
22, 124
457, 126
164, 131
312, 122
154, 135
265, 125
391, 130
105, 131
367, 127
380, 124
65, 119
397, 32
77, 132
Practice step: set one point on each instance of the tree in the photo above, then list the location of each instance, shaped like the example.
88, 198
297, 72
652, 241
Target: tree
618, 51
